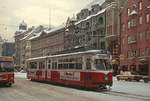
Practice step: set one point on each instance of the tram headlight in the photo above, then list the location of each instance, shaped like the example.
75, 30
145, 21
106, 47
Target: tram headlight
106, 77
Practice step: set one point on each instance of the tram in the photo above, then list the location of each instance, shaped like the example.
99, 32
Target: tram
89, 69
6, 70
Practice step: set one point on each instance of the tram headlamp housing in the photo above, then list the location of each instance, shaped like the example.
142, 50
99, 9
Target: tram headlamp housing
106, 77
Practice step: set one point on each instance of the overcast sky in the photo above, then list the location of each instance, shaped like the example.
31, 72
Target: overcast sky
36, 12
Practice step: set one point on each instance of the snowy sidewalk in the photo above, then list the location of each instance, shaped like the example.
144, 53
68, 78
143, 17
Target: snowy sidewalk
138, 88
20, 75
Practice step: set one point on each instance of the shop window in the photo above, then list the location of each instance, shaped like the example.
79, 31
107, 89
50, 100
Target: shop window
143, 69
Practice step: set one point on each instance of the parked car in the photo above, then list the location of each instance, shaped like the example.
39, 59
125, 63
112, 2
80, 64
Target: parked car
128, 76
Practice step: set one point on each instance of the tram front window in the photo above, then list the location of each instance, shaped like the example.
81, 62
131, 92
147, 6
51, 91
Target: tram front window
6, 67
102, 65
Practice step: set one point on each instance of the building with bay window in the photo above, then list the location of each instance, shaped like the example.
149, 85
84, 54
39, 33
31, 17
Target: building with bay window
135, 37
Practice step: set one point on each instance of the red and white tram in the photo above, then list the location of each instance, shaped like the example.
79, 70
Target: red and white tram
90, 69
6, 70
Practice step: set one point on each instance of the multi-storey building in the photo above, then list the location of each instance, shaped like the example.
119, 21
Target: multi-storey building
113, 12
25, 43
88, 30
97, 26
1, 43
135, 37
47, 42
8, 49
19, 35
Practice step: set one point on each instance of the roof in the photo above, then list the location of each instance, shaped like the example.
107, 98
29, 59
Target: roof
19, 32
55, 29
94, 2
89, 17
75, 53
35, 35
47, 31
27, 35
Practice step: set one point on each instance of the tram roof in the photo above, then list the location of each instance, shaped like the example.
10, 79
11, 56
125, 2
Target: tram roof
68, 54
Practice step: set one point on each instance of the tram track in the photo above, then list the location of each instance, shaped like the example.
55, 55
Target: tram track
124, 94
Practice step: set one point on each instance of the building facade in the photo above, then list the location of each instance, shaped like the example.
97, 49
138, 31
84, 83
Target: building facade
25, 43
47, 42
1, 43
19, 35
113, 20
97, 27
88, 30
8, 49
135, 37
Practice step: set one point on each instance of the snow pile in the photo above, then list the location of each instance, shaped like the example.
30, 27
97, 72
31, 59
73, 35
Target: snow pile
20, 75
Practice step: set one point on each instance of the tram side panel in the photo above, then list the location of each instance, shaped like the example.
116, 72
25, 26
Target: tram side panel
41, 73
31, 70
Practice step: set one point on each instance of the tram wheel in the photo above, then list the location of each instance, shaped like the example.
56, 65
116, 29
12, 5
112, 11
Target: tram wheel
9, 84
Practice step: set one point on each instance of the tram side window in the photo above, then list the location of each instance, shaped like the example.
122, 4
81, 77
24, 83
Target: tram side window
54, 65
59, 66
41, 65
88, 64
49, 64
78, 65
71, 66
65, 66
33, 65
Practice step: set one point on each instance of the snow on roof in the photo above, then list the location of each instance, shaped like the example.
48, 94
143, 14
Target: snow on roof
19, 32
35, 35
100, 12
55, 29
27, 35
76, 53
133, 12
94, 2
148, 6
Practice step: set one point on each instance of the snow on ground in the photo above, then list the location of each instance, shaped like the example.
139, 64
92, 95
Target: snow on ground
131, 88
138, 88
20, 75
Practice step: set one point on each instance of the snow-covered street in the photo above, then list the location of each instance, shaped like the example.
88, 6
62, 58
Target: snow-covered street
25, 90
